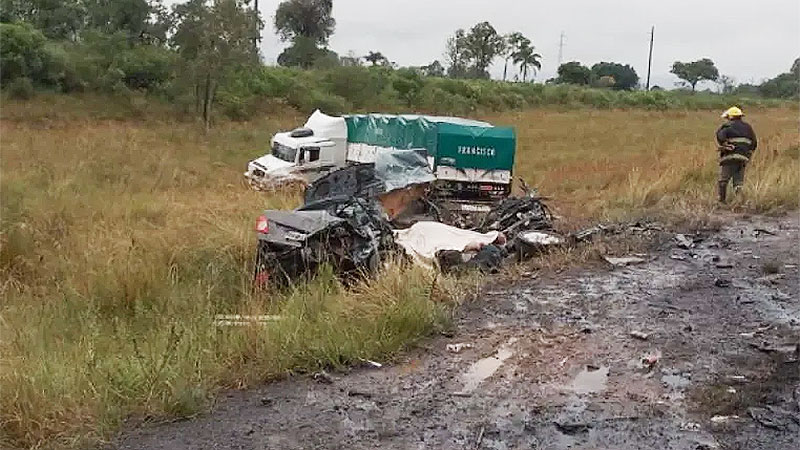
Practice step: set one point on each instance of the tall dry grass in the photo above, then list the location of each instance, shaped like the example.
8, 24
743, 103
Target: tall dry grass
618, 164
122, 238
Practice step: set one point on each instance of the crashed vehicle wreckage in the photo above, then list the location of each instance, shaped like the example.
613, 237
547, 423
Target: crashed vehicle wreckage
357, 214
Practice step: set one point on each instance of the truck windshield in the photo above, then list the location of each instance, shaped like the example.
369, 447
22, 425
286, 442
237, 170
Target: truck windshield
283, 152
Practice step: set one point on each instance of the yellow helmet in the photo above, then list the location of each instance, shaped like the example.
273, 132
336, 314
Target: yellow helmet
731, 112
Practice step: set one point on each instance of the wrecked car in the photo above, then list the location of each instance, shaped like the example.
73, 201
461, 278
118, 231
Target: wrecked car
349, 233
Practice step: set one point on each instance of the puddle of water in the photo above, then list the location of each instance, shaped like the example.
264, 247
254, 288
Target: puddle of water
486, 367
675, 381
590, 380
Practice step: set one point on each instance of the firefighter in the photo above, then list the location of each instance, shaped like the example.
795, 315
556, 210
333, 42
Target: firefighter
736, 141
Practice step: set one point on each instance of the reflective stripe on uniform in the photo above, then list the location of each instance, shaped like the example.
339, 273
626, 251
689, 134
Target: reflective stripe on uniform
740, 140
734, 157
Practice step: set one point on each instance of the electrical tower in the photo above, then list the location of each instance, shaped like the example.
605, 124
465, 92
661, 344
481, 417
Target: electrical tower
561, 49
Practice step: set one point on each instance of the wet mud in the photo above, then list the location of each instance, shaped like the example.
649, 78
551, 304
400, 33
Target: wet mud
696, 348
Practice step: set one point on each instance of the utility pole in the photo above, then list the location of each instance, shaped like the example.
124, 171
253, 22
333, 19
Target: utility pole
257, 37
650, 58
560, 49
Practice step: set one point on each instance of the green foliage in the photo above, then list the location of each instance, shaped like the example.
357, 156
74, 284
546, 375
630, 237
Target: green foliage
434, 69
526, 58
305, 53
146, 66
785, 85
21, 88
573, 73
22, 51
694, 72
482, 44
456, 55
311, 19
624, 76
376, 58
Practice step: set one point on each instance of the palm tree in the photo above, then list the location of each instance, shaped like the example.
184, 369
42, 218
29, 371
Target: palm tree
375, 58
512, 42
526, 58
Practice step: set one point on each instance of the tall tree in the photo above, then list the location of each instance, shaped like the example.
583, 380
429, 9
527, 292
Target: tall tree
482, 44
512, 43
574, 72
57, 19
376, 58
434, 69
624, 77
214, 39
456, 55
307, 24
312, 19
695, 72
526, 58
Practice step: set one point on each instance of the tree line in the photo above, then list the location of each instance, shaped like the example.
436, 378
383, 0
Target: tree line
207, 51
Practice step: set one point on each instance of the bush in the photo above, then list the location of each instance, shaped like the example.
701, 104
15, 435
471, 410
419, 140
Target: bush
21, 52
145, 66
21, 88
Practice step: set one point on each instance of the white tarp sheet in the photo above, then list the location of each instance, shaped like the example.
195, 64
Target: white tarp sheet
423, 239
327, 126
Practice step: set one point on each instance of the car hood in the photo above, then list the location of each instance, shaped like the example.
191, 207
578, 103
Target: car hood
273, 164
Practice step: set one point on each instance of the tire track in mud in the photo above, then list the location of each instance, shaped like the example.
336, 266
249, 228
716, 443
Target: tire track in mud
553, 364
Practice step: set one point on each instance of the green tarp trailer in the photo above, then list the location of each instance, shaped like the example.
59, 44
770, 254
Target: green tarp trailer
456, 143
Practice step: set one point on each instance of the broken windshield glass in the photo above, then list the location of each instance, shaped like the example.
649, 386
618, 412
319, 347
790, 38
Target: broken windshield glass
283, 152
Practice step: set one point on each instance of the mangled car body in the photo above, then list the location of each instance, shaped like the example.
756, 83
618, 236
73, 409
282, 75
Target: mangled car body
349, 233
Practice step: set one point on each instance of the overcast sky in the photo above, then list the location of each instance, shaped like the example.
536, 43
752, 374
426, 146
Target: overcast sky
749, 40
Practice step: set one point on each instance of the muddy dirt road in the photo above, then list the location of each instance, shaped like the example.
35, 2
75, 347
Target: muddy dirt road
695, 348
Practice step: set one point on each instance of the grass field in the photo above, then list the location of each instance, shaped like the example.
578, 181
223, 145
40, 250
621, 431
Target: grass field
122, 237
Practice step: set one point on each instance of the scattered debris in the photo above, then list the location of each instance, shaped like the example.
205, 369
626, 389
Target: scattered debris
683, 241
377, 365
738, 378
572, 428
773, 417
722, 282
724, 265
759, 231
456, 348
589, 233
717, 420
517, 214
639, 335
227, 320
649, 360
355, 393
322, 377
790, 350
623, 262
530, 243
